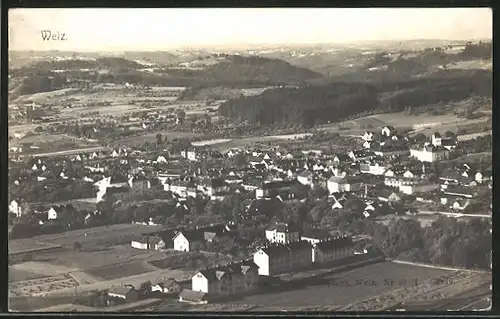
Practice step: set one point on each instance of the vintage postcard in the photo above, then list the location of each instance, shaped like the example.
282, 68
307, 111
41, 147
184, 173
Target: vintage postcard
250, 159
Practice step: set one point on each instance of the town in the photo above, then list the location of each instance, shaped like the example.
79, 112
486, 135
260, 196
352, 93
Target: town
336, 177
273, 211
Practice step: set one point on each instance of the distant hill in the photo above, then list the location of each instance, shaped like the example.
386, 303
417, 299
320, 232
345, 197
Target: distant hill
212, 70
236, 70
430, 59
76, 64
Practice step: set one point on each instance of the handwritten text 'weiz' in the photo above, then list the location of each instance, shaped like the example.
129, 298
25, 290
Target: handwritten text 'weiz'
48, 35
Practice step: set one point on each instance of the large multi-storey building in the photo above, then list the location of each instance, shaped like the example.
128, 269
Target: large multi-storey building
283, 233
282, 258
226, 280
332, 249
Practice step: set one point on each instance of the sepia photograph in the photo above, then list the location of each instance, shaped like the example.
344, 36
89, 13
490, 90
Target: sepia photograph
249, 159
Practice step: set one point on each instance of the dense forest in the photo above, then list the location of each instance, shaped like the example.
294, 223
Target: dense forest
316, 104
40, 83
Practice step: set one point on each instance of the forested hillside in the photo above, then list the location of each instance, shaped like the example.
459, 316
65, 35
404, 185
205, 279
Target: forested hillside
317, 104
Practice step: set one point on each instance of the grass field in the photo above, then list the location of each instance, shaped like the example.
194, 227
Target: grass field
46, 96
58, 273
120, 270
26, 303
472, 136
44, 267
51, 143
36, 139
18, 246
151, 137
472, 65
21, 275
345, 287
422, 123
21, 128
241, 142
132, 306
110, 110
65, 268
113, 233
88, 260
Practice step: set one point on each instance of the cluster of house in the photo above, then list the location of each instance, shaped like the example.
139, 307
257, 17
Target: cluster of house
390, 143
19, 207
287, 251
184, 239
166, 286
273, 172
460, 186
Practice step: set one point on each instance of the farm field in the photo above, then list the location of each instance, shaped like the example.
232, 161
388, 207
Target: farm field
45, 268
36, 139
21, 128
453, 126
242, 142
467, 137
80, 308
95, 258
472, 65
45, 96
71, 151
109, 110
41, 285
151, 137
89, 235
20, 275
211, 142
343, 288
52, 143
17, 246
126, 269
400, 120
62, 271
26, 303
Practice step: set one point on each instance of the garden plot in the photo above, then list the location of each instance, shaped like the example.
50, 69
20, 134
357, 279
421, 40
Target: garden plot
42, 285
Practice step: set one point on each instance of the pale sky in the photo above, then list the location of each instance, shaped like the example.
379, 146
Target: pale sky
107, 29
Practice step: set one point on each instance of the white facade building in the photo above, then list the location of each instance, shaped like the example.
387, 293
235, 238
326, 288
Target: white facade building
430, 154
